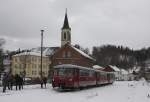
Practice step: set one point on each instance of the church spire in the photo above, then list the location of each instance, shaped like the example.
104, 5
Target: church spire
66, 23
65, 32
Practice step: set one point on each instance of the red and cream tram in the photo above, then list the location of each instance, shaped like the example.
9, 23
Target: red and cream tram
69, 76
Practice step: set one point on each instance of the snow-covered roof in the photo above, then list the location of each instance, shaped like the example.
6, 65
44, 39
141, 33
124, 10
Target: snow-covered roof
30, 53
136, 68
114, 68
82, 53
98, 67
72, 66
46, 50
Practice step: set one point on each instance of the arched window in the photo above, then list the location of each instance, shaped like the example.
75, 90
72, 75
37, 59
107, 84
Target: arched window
65, 35
68, 35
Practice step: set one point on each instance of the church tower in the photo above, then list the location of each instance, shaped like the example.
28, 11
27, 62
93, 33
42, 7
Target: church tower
65, 32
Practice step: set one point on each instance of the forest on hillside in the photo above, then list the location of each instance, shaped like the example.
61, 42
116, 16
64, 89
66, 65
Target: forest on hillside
122, 57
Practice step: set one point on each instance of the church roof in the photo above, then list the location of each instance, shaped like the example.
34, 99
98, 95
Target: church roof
82, 53
66, 23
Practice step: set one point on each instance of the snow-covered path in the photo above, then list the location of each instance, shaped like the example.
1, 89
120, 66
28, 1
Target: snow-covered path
127, 91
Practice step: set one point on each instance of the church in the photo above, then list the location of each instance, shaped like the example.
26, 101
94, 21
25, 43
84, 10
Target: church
67, 53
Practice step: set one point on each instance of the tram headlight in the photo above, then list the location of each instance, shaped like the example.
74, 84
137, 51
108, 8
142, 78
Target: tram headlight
53, 79
70, 79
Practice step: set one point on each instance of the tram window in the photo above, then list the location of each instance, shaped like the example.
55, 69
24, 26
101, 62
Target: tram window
92, 74
69, 72
61, 72
55, 72
84, 72
65, 71
97, 75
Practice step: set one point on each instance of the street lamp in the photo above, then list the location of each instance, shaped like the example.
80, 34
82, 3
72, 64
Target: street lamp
41, 51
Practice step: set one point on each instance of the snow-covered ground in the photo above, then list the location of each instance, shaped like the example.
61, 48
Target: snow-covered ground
123, 91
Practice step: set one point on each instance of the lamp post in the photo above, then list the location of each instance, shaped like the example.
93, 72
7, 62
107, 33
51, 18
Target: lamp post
41, 56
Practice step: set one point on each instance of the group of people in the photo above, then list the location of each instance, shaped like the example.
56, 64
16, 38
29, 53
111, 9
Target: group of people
9, 81
43, 81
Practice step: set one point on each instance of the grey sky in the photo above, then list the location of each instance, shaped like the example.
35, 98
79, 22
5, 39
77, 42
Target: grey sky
93, 22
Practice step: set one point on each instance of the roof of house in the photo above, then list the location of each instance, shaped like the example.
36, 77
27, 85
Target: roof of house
98, 67
116, 69
83, 53
29, 53
47, 51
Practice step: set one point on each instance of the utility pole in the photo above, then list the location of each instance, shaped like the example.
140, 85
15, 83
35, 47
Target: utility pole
41, 57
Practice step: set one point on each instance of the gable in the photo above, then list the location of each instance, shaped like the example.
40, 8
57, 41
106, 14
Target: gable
74, 53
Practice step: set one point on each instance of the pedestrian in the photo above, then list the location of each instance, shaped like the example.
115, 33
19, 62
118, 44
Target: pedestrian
45, 81
21, 82
11, 81
18, 82
41, 82
5, 82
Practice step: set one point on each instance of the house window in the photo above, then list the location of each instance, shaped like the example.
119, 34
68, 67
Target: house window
68, 54
64, 54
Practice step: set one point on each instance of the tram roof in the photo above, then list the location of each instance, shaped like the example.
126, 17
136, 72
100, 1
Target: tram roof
72, 66
76, 66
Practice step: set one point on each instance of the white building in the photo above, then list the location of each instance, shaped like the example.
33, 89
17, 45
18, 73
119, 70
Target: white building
124, 75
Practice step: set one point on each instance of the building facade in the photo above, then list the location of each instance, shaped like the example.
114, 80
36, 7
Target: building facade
68, 54
115, 70
28, 64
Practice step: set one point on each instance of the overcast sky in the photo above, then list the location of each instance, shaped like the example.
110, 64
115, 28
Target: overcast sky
93, 22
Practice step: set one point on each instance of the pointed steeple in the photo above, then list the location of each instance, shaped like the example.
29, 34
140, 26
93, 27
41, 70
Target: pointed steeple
66, 23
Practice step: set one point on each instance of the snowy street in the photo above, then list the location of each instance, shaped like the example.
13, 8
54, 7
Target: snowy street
120, 91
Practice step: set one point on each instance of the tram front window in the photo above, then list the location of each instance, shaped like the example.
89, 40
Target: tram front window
65, 72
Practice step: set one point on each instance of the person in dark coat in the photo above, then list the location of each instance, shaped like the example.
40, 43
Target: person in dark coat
45, 81
41, 82
5, 82
11, 81
21, 82
18, 81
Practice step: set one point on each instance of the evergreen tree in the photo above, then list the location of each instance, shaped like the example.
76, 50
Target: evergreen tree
2, 41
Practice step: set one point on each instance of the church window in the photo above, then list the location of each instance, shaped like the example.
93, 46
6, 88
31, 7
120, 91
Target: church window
65, 36
68, 36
